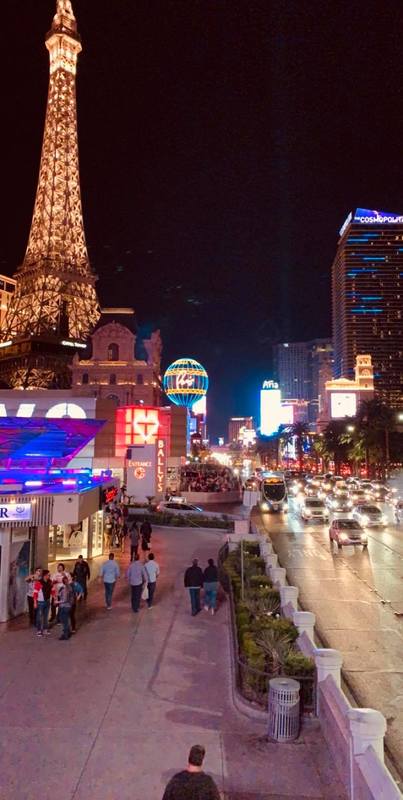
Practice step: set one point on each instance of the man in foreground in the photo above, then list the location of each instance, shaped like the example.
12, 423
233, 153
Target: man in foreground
192, 783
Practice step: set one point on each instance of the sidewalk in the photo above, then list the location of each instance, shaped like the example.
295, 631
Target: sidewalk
111, 714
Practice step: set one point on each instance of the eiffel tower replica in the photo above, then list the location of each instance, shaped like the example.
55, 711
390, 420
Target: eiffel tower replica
55, 306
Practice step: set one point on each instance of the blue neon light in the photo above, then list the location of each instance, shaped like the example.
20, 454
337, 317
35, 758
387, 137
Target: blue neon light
362, 310
357, 271
374, 258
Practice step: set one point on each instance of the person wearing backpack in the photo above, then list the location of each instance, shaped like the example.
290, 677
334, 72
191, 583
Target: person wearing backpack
65, 601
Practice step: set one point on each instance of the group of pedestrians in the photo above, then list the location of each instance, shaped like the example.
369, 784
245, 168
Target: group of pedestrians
142, 578
140, 537
52, 599
196, 579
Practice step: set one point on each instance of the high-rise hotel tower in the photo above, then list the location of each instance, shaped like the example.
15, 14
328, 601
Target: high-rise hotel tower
367, 297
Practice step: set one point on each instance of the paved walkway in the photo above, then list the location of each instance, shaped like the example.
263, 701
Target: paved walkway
111, 714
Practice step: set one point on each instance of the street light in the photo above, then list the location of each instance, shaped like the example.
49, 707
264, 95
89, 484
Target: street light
350, 428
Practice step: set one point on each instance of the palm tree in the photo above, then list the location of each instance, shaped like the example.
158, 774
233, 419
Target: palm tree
298, 431
276, 648
335, 443
376, 421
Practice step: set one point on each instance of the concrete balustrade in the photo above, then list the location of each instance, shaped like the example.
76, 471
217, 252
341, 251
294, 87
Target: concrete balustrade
305, 622
266, 549
328, 662
289, 594
368, 728
278, 576
271, 561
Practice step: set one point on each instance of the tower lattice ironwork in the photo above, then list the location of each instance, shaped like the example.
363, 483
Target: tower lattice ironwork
55, 305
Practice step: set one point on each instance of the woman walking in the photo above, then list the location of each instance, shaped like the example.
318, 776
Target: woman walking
210, 586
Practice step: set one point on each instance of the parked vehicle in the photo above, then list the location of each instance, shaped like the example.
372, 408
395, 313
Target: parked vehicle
347, 531
313, 509
179, 504
368, 515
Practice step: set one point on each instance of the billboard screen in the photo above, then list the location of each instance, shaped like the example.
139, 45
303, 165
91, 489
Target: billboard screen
343, 404
270, 411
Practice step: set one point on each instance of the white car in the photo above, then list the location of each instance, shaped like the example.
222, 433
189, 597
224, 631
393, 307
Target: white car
369, 516
179, 505
347, 531
313, 509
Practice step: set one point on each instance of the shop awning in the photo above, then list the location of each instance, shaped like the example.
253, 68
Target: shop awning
42, 441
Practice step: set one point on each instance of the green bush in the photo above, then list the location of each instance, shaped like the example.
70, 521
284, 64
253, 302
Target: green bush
298, 664
259, 581
282, 627
257, 563
251, 548
252, 653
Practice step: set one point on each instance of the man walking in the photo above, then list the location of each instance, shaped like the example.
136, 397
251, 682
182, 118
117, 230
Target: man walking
210, 586
136, 576
152, 570
192, 782
194, 581
145, 532
110, 572
82, 574
134, 540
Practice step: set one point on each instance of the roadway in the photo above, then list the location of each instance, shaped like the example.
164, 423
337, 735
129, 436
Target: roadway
357, 597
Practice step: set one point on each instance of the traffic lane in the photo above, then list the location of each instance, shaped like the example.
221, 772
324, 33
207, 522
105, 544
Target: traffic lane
338, 587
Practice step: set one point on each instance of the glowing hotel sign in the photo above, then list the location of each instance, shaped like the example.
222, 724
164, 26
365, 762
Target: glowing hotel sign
368, 216
270, 408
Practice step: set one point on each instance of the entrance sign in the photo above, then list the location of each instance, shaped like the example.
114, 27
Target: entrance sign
15, 512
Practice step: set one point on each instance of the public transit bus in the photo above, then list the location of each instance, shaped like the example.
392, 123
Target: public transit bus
273, 493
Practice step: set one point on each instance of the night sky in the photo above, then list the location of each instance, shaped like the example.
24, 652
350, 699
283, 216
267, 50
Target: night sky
222, 144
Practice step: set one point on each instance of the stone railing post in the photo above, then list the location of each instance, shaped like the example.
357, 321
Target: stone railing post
289, 594
367, 727
277, 575
271, 561
328, 662
305, 622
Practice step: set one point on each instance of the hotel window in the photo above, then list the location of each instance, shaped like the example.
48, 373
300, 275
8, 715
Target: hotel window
85, 378
140, 379
112, 379
113, 352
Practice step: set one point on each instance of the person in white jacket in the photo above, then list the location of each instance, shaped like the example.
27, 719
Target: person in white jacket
152, 570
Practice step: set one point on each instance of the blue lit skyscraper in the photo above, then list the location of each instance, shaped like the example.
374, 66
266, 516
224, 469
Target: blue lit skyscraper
367, 296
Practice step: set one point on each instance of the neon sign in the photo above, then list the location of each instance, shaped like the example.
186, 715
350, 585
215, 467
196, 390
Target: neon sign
161, 463
57, 411
145, 426
270, 385
370, 217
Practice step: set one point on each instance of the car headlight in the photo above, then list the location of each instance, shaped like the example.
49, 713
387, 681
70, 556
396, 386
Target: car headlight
364, 538
349, 504
308, 512
343, 537
265, 507
384, 519
365, 520
285, 507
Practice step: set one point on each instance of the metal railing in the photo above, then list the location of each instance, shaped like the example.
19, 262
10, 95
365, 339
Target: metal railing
253, 683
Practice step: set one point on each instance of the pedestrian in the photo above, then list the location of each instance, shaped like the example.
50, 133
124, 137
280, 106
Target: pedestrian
137, 578
64, 601
110, 572
146, 531
78, 593
43, 593
192, 783
82, 574
210, 586
194, 582
152, 570
30, 580
134, 540
57, 579
108, 531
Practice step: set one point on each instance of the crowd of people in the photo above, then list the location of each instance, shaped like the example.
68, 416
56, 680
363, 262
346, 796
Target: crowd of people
208, 479
52, 598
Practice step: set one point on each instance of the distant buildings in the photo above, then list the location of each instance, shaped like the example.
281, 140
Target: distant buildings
114, 372
235, 425
343, 396
299, 368
367, 295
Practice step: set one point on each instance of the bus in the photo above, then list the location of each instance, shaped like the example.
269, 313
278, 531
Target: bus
273, 493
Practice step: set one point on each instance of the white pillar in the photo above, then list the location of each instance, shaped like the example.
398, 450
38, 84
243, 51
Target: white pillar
328, 662
289, 594
271, 561
368, 727
277, 575
266, 549
305, 622
241, 526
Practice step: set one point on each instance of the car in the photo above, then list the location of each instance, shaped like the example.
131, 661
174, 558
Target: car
311, 490
179, 505
312, 508
340, 501
359, 496
369, 516
347, 531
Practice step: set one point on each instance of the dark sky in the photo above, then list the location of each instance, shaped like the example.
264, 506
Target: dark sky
222, 144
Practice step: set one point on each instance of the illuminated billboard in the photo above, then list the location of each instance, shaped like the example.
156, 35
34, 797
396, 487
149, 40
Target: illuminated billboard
343, 404
270, 408
185, 382
367, 216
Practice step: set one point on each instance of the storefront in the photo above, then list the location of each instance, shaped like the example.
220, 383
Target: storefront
67, 541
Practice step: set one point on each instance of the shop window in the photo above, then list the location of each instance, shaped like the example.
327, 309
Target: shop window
85, 378
112, 379
113, 352
140, 379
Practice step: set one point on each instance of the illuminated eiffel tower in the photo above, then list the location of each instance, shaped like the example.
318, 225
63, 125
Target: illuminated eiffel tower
55, 307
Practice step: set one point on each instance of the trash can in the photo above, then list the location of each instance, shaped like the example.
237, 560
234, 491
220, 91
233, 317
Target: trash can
284, 720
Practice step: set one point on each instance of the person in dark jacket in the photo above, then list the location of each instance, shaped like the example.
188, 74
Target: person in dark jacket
82, 574
145, 531
210, 586
192, 783
194, 582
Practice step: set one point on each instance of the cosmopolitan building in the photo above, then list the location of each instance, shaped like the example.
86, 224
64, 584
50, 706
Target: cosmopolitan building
367, 296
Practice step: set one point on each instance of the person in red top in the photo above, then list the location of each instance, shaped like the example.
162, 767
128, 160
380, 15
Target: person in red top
43, 592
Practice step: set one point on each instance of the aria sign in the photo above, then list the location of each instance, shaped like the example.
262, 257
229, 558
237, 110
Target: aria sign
15, 512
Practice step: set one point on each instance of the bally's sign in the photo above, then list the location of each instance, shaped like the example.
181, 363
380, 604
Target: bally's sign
15, 512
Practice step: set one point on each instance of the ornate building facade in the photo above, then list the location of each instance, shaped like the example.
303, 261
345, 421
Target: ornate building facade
113, 371
54, 305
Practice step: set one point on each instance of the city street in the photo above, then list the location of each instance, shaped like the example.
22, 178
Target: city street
356, 595
111, 713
